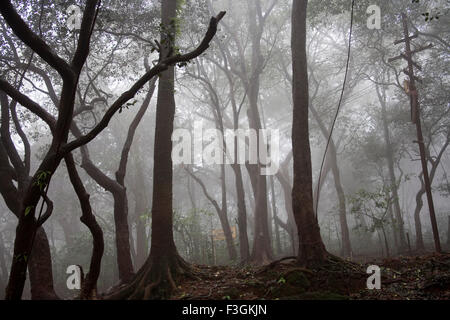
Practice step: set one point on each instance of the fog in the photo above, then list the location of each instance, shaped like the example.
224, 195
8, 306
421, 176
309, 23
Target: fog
221, 178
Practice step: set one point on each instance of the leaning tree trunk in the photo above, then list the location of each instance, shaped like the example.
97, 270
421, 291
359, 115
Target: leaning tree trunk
89, 289
311, 248
331, 164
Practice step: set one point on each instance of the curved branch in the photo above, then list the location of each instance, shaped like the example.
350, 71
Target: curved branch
127, 95
48, 211
121, 172
28, 103
24, 33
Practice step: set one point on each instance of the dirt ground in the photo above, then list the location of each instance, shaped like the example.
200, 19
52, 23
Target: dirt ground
405, 278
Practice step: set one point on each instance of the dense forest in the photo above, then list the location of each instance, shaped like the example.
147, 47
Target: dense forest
224, 149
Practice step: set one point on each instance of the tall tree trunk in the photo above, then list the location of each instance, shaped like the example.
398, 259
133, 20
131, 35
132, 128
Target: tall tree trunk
156, 277
124, 260
224, 220
420, 246
331, 164
140, 195
346, 244
244, 248
261, 251
311, 248
390, 161
290, 225
275, 216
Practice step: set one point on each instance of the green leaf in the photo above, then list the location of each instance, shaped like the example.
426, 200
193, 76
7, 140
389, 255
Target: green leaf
28, 210
282, 280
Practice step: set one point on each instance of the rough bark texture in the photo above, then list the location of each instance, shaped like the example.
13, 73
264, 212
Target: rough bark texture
311, 248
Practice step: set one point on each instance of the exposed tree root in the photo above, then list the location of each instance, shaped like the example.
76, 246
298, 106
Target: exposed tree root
156, 279
274, 264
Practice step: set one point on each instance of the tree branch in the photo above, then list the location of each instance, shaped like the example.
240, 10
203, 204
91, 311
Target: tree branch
24, 33
28, 103
127, 95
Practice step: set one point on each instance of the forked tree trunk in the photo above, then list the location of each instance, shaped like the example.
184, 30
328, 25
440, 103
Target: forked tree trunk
311, 248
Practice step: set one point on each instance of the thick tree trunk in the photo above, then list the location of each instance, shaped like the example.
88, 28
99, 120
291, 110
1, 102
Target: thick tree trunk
27, 227
40, 269
124, 260
156, 278
311, 248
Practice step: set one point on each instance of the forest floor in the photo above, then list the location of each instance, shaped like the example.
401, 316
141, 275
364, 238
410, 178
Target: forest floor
402, 278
